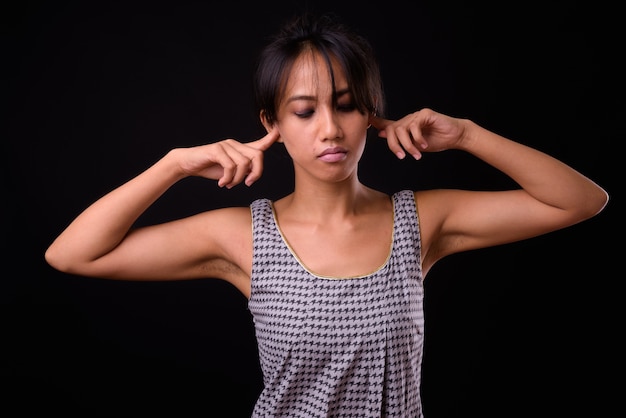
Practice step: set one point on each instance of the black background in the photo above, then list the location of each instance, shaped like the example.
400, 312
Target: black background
95, 93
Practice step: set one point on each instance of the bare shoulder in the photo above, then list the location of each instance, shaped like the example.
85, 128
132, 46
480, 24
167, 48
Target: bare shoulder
433, 209
230, 228
229, 232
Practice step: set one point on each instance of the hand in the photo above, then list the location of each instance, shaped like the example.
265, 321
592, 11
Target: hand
422, 131
228, 161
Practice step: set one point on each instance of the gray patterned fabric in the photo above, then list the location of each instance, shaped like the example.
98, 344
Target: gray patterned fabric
338, 347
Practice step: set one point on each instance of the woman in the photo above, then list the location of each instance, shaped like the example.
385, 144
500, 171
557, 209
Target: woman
334, 270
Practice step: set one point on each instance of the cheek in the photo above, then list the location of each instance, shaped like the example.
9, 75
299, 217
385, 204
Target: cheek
356, 125
292, 137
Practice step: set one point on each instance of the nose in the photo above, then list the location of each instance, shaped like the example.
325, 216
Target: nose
329, 124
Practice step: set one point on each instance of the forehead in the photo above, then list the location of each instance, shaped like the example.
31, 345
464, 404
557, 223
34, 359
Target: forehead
311, 75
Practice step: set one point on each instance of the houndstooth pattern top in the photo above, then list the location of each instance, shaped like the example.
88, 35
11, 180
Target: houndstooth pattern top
338, 347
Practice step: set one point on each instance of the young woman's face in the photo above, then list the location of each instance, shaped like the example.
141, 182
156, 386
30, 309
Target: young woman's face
325, 139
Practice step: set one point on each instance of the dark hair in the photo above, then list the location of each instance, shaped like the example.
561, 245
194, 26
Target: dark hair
332, 39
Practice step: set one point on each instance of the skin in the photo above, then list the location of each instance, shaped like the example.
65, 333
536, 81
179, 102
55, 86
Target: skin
337, 226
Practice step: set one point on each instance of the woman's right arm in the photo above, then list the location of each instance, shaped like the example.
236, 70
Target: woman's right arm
100, 242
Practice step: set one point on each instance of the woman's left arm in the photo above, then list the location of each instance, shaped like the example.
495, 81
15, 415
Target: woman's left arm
553, 195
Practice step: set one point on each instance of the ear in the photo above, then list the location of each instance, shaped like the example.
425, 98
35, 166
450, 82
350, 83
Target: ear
370, 119
267, 125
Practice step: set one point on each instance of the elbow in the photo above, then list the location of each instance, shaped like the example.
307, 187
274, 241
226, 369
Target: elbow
55, 259
600, 201
71, 261
595, 203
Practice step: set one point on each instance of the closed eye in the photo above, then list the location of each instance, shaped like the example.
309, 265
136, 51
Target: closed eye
304, 114
346, 107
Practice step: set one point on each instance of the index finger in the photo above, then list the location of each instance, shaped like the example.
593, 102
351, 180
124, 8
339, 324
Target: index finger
266, 141
380, 123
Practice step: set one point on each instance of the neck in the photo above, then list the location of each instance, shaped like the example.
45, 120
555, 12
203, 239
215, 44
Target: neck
325, 201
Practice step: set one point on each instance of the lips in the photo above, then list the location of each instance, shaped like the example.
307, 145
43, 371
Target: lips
333, 154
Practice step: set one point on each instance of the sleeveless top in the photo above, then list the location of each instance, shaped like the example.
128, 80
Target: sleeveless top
338, 347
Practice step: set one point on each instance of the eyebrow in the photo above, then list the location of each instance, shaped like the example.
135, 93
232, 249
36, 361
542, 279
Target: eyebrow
340, 93
300, 97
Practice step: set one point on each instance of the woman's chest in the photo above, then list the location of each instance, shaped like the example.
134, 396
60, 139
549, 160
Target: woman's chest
341, 252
